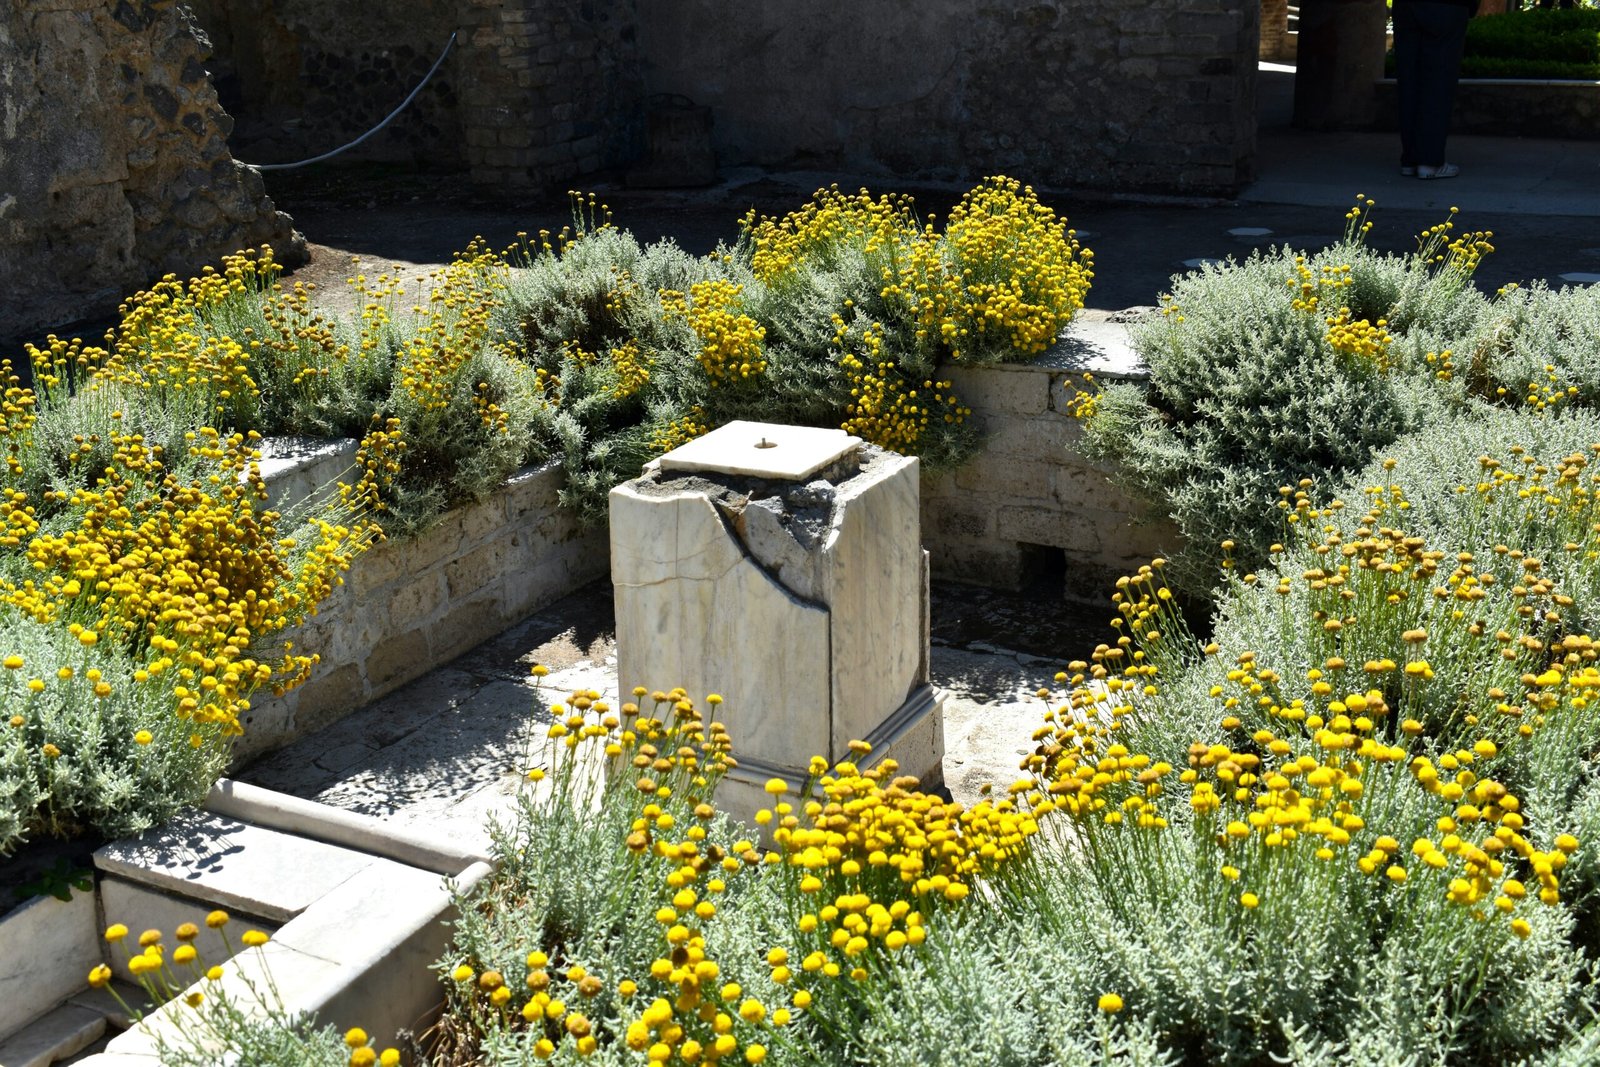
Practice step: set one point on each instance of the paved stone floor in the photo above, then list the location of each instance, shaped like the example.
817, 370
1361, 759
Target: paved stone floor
449, 749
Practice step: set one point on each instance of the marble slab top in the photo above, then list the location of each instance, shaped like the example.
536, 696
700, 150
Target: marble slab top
762, 450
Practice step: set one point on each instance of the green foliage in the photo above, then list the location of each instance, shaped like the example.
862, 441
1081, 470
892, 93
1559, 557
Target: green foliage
1286, 373
1534, 44
1540, 346
1247, 394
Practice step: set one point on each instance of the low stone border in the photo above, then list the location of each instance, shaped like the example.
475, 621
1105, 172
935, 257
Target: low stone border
1513, 107
1029, 511
357, 913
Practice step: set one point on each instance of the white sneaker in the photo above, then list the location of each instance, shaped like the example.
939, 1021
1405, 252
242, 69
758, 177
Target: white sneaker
1443, 170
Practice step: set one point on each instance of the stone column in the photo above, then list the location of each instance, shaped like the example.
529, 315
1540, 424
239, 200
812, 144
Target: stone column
1340, 60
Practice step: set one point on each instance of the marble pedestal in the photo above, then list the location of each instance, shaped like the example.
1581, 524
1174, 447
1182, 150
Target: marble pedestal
782, 568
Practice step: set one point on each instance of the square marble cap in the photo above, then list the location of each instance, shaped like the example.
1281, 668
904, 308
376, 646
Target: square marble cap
762, 450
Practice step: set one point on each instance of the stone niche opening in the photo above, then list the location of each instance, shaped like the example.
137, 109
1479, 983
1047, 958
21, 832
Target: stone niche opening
1043, 569
797, 590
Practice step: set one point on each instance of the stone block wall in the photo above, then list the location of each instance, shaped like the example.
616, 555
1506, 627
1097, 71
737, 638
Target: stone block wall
551, 89
114, 162
409, 606
1103, 93
1504, 107
302, 77
1028, 508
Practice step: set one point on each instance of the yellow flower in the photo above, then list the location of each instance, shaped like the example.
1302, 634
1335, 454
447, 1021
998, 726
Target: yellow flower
143, 737
1110, 1003
116, 932
254, 938
355, 1037
363, 1057
1249, 900
13, 663
100, 977
216, 919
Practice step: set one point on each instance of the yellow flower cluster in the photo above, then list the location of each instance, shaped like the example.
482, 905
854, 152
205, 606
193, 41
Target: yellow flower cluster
730, 341
1311, 289
829, 220
1020, 272
874, 853
1360, 337
1459, 255
452, 327
882, 408
191, 574
1004, 272
632, 368
164, 343
1546, 395
681, 430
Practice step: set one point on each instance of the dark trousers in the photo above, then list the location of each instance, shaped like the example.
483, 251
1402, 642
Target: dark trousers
1428, 37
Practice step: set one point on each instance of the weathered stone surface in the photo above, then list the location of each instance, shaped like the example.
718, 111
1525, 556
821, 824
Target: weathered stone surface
693, 610
991, 389
762, 450
301, 470
141, 908
871, 566
949, 90
58, 1035
49, 946
231, 865
113, 170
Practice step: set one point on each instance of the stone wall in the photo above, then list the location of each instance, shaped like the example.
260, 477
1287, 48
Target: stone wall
114, 163
1029, 512
1104, 93
1505, 107
550, 89
409, 606
302, 77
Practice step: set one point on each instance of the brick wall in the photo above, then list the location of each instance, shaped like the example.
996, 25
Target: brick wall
302, 77
551, 89
409, 606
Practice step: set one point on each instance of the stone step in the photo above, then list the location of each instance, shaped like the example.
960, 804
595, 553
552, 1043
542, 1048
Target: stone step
225, 863
53, 1037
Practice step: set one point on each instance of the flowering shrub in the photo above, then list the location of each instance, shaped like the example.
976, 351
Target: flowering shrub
1291, 366
835, 315
136, 618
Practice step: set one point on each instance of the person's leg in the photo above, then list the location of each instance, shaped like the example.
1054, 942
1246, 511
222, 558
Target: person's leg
1443, 34
1407, 38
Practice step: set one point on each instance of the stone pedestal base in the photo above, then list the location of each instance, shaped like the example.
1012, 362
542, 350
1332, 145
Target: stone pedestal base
913, 737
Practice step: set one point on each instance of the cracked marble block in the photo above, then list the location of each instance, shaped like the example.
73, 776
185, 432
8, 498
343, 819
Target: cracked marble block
781, 567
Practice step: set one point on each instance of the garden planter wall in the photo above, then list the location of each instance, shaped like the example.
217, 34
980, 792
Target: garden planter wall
1506, 107
410, 605
357, 914
1029, 509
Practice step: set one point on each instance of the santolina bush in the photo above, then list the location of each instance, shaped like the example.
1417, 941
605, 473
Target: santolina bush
1292, 369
